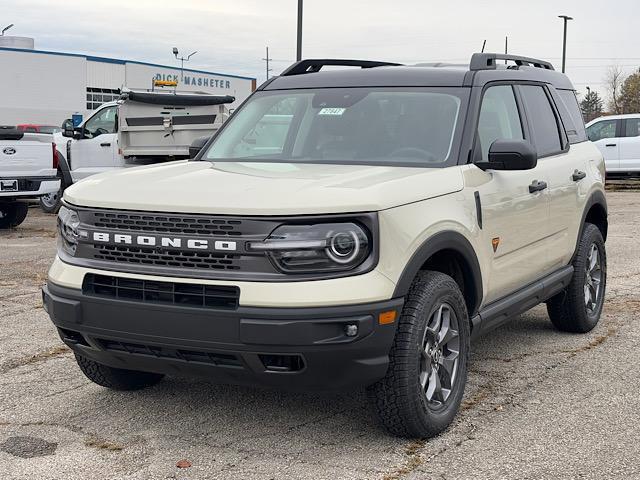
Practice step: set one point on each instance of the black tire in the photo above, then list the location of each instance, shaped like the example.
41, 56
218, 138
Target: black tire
401, 397
116, 378
570, 311
12, 214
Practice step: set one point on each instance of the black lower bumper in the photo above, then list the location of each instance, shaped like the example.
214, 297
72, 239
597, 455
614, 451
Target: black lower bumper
287, 347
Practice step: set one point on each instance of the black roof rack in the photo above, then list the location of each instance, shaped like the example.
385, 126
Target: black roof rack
487, 61
315, 65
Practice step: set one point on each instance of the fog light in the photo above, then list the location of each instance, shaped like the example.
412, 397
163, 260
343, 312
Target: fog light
351, 330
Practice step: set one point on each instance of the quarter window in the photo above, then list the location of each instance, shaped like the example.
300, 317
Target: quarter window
544, 126
576, 131
603, 129
499, 118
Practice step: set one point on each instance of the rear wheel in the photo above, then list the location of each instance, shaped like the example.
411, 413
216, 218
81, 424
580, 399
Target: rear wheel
116, 378
12, 214
51, 202
578, 308
422, 390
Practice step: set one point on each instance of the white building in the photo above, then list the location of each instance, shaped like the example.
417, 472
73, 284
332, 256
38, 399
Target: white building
43, 87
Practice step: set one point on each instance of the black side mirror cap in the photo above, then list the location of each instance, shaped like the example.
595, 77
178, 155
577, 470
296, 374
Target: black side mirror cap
197, 145
510, 155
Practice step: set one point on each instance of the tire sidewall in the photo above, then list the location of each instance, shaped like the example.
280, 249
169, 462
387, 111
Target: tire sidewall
590, 236
441, 417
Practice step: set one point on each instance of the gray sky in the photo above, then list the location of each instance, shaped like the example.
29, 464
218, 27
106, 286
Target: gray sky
230, 35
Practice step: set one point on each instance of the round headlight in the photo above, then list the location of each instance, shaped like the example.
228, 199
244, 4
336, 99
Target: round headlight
343, 247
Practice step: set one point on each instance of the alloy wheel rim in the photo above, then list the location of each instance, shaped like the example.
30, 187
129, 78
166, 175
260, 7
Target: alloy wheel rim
50, 199
593, 280
439, 355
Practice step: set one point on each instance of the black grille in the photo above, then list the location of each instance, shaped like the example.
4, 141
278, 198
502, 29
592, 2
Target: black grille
168, 293
145, 222
218, 359
165, 258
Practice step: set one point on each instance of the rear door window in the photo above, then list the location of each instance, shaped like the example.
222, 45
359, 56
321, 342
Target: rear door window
632, 127
542, 120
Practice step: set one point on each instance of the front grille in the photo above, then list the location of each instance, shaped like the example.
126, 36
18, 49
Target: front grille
168, 258
218, 359
145, 222
167, 293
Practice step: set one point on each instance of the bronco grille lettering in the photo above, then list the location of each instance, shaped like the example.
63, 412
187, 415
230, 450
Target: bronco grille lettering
152, 241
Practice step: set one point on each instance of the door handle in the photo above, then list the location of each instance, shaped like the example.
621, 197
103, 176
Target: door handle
578, 175
106, 144
537, 186
610, 145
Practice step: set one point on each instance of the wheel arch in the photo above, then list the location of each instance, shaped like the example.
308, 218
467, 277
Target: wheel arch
595, 212
64, 169
450, 253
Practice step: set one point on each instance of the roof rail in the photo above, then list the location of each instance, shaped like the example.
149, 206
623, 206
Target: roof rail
487, 61
315, 65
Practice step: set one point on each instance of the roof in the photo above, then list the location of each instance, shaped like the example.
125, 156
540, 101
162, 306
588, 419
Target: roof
92, 58
482, 69
614, 117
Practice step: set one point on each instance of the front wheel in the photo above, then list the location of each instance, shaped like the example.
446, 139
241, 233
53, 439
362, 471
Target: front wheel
12, 214
422, 390
578, 308
116, 378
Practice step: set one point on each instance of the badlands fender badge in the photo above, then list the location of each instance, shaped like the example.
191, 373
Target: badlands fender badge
494, 243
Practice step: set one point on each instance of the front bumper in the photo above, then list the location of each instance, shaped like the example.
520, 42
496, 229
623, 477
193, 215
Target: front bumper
286, 347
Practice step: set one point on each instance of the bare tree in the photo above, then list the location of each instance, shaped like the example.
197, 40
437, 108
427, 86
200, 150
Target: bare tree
613, 81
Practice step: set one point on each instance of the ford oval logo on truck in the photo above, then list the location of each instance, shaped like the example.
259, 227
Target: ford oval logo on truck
9, 150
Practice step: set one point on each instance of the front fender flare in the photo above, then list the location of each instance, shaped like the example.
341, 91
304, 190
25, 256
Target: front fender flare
448, 240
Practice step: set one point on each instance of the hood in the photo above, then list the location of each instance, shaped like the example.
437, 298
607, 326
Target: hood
230, 188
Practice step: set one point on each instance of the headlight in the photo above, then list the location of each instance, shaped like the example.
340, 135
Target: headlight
68, 227
324, 247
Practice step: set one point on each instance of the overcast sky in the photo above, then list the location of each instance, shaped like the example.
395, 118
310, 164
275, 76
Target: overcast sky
230, 35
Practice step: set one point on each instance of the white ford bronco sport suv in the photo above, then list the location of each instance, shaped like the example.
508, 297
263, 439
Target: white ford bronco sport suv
389, 215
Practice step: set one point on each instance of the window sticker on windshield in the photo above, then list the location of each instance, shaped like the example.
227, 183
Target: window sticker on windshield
331, 111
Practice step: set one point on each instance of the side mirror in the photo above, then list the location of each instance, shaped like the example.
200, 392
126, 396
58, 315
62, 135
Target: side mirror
67, 128
510, 155
78, 133
197, 145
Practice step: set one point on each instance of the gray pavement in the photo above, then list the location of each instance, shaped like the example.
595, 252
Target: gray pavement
539, 404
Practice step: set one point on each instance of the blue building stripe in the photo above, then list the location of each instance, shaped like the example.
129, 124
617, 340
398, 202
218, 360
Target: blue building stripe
91, 58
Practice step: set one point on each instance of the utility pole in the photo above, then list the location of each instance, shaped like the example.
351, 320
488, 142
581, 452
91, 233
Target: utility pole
299, 42
267, 59
564, 40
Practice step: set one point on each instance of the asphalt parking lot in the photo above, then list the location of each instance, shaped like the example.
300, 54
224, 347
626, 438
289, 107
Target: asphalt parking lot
539, 404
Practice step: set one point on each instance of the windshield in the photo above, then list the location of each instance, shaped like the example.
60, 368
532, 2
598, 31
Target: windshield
372, 126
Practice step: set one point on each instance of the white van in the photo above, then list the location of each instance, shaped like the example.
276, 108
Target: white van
618, 138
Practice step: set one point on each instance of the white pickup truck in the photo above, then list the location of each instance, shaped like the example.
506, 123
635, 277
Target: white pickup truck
142, 127
28, 169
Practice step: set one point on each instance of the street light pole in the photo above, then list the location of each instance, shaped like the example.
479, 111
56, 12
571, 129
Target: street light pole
564, 40
5, 29
182, 60
299, 42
